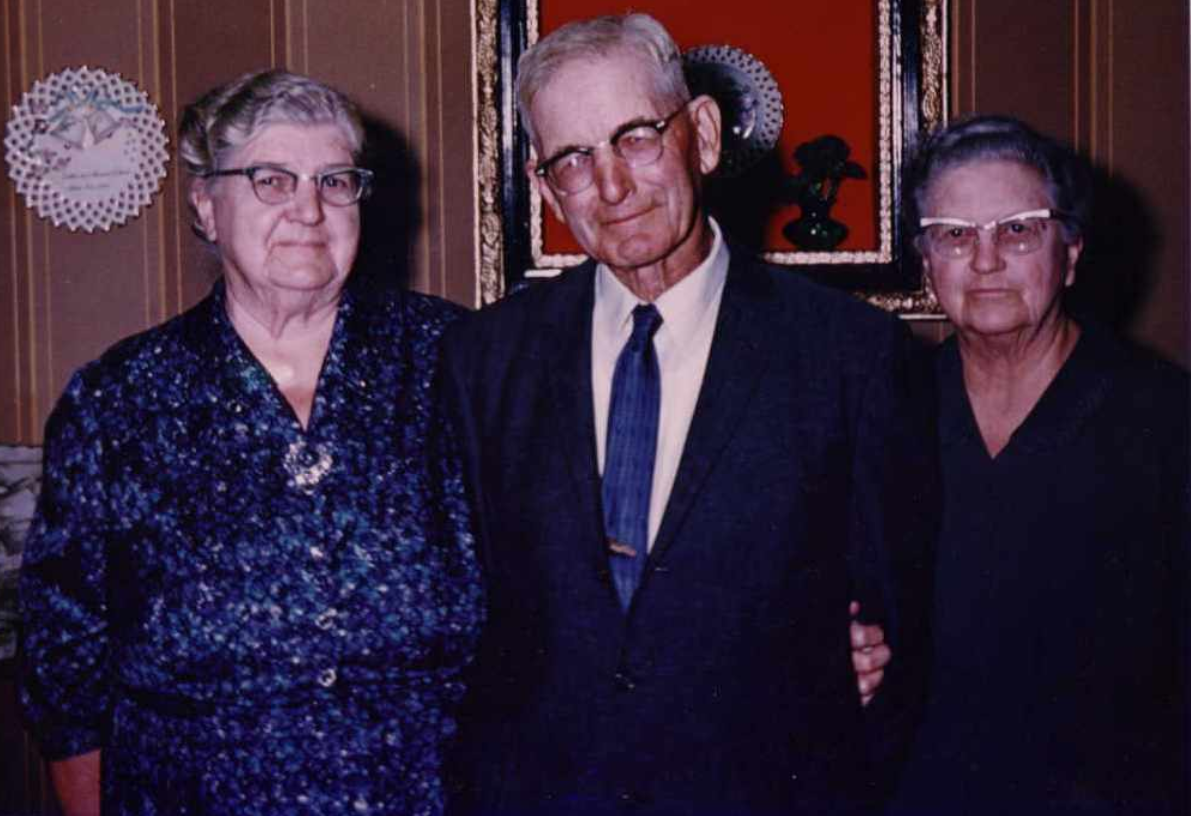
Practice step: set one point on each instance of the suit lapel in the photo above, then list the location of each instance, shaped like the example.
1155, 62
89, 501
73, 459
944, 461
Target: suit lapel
734, 369
566, 353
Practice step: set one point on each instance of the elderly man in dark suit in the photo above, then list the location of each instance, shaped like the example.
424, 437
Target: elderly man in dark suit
685, 464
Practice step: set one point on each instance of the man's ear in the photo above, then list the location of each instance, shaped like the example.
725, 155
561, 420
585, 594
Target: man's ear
704, 113
203, 208
544, 189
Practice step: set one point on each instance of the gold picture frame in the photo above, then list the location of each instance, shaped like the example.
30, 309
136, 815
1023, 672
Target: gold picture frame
911, 79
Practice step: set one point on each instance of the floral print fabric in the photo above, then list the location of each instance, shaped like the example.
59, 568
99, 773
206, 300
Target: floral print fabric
249, 617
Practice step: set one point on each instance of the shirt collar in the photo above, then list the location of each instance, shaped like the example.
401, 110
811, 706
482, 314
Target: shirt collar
683, 306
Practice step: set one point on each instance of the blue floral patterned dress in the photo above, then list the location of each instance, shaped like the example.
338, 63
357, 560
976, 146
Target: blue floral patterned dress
248, 617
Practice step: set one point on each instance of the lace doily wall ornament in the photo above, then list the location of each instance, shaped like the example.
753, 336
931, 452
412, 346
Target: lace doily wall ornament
86, 148
749, 98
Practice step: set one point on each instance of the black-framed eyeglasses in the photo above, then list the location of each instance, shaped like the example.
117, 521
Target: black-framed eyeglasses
277, 185
1017, 234
638, 143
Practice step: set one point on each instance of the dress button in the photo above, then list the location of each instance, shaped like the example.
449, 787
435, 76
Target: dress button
624, 681
326, 619
327, 678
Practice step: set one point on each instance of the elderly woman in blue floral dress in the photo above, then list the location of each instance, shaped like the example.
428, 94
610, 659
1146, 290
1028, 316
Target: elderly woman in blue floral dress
250, 587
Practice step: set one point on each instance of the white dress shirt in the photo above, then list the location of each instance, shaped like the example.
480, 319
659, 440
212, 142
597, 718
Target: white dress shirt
683, 344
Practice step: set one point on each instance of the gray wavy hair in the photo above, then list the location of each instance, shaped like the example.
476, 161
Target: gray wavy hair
1002, 138
598, 38
228, 116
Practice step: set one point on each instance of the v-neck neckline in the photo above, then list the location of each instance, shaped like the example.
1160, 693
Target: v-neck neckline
1059, 411
329, 364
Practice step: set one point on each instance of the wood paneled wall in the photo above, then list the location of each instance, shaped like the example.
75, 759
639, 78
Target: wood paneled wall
1111, 78
65, 297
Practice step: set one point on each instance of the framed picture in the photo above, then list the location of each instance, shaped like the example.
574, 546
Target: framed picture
821, 102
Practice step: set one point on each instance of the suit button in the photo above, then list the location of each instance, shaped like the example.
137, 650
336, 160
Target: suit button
632, 799
624, 681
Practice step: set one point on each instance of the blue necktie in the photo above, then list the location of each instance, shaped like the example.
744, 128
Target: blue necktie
630, 445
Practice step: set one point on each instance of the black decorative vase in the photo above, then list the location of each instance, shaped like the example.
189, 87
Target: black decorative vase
815, 230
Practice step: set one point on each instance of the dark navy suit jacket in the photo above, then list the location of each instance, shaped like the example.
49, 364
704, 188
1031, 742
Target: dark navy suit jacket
807, 479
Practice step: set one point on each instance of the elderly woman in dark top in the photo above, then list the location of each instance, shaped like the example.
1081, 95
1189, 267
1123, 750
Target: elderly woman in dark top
1060, 676
250, 587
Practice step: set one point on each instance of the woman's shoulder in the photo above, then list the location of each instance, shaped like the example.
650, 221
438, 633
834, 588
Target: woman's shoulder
432, 312
1138, 373
135, 376
147, 353
400, 311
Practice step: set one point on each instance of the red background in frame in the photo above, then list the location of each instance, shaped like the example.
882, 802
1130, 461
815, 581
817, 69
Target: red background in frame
823, 56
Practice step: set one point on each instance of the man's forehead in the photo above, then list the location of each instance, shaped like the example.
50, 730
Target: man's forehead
587, 98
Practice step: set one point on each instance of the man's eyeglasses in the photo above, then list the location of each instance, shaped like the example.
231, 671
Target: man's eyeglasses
1017, 234
638, 143
276, 185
